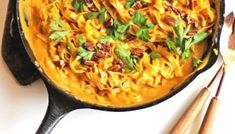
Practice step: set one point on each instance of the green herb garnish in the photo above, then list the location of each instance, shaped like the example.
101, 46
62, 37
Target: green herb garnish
196, 61
118, 30
181, 44
59, 29
125, 56
81, 40
82, 52
154, 55
139, 19
142, 33
129, 3
102, 15
105, 39
78, 5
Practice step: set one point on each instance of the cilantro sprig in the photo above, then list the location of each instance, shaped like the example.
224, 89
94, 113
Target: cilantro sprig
196, 61
155, 55
102, 15
59, 29
82, 52
129, 3
125, 56
118, 30
78, 5
141, 20
181, 44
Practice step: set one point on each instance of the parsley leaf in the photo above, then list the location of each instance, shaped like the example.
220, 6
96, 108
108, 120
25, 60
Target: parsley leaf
81, 40
171, 45
142, 33
139, 19
125, 56
91, 15
78, 5
155, 55
102, 15
181, 44
84, 54
129, 3
59, 29
199, 36
118, 30
105, 39
196, 61
58, 35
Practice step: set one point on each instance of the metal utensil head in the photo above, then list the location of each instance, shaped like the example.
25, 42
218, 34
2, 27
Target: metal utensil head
227, 40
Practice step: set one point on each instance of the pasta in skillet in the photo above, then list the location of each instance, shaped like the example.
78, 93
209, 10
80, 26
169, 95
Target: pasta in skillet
119, 52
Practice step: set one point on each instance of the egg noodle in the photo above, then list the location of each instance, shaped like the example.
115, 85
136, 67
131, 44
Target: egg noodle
121, 52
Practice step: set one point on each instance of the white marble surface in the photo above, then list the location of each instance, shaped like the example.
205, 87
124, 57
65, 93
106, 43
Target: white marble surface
23, 108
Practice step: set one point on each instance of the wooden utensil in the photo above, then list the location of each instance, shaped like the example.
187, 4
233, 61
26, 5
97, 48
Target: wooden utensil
193, 110
209, 118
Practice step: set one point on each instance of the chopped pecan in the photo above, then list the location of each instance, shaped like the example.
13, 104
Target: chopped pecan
115, 68
137, 52
129, 37
149, 50
108, 23
104, 47
88, 63
160, 44
170, 7
89, 1
137, 5
98, 56
89, 46
91, 6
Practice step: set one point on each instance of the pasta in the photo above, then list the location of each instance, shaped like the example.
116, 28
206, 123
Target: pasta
118, 52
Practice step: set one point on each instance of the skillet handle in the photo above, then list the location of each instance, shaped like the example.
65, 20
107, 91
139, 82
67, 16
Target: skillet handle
59, 106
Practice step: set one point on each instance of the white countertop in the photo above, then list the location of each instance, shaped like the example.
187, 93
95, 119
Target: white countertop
23, 108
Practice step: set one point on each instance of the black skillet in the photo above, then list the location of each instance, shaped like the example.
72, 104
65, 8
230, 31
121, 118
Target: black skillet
61, 103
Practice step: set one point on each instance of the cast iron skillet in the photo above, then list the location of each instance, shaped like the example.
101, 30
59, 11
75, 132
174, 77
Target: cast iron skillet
61, 103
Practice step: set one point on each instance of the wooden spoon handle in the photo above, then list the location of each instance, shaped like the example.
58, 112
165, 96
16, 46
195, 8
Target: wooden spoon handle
191, 113
209, 118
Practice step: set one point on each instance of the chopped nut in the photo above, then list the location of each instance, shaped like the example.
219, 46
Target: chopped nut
91, 6
108, 23
115, 68
105, 47
89, 63
89, 1
160, 44
170, 7
98, 56
137, 5
89, 46
137, 52
129, 37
